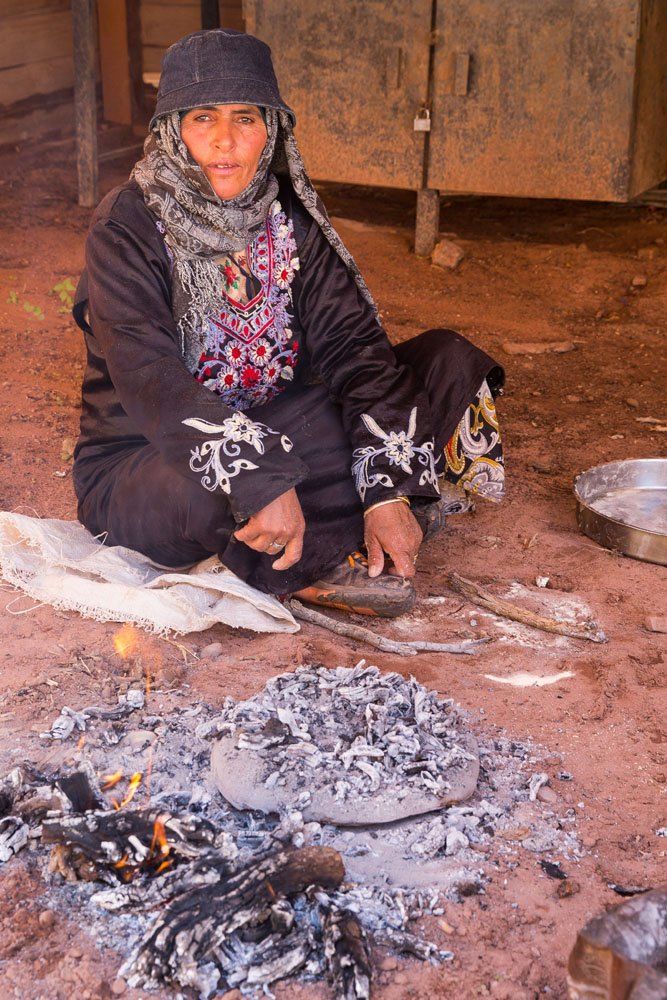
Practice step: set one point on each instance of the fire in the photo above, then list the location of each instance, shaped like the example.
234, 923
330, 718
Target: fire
126, 641
160, 847
110, 780
134, 783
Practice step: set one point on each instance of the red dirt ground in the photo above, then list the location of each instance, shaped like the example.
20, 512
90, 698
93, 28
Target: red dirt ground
533, 271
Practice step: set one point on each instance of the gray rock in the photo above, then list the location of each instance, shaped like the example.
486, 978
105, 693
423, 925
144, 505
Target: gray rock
456, 841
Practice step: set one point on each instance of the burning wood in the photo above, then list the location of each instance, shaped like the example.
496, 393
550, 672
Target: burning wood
125, 843
230, 897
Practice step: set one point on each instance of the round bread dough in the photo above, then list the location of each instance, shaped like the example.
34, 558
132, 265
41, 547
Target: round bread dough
239, 774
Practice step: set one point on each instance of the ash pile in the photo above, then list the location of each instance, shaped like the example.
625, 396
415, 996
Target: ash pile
293, 834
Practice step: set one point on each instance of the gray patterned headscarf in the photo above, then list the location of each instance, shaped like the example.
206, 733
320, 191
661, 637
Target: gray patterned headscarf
199, 227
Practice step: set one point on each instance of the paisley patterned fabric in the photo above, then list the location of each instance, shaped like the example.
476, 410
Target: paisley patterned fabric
474, 453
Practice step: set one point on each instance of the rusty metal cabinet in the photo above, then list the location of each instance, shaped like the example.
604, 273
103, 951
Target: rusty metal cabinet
538, 99
354, 73
529, 98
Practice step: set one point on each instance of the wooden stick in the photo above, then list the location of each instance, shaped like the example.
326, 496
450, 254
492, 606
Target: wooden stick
350, 631
478, 595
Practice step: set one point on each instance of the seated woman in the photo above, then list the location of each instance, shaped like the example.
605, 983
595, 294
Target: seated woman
241, 397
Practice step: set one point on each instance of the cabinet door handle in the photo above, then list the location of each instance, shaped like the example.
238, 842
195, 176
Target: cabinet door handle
394, 68
461, 74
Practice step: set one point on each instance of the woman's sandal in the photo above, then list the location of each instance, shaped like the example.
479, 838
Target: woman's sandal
348, 587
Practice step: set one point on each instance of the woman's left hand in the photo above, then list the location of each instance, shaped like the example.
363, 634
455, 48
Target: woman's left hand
392, 528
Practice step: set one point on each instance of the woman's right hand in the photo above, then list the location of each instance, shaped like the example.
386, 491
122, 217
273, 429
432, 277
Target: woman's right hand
279, 525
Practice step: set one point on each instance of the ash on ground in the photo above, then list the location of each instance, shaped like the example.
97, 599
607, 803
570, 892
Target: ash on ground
395, 873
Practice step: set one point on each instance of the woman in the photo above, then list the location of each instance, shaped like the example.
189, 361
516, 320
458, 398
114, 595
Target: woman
241, 397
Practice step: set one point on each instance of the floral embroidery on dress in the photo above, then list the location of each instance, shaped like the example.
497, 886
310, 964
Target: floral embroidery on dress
250, 350
399, 449
235, 430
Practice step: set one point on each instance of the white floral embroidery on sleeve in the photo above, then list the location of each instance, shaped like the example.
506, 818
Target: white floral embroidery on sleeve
399, 449
235, 430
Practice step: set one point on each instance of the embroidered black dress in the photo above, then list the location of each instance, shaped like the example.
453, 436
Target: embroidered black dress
298, 388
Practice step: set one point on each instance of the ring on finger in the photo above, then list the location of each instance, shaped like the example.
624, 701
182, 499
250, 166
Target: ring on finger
276, 546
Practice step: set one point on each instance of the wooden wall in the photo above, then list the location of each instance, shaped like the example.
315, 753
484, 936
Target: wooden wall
165, 21
35, 48
36, 41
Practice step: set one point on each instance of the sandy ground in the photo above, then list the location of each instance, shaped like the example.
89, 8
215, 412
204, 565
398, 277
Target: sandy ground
542, 271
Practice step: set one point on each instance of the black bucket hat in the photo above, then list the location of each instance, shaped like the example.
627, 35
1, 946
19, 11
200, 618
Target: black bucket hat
221, 66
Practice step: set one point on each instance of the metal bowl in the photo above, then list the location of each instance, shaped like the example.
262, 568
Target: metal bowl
623, 506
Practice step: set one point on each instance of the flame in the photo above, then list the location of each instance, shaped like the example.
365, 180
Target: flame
126, 641
135, 781
110, 780
159, 843
160, 847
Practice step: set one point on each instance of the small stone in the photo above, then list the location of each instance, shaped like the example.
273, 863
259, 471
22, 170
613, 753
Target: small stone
118, 987
646, 253
546, 794
389, 963
573, 399
447, 254
546, 347
172, 673
656, 623
47, 919
456, 841
211, 651
568, 887
75, 953
561, 583
639, 281
137, 739
632, 403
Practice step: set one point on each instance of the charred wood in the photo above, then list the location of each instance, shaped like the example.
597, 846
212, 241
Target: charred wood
347, 954
200, 925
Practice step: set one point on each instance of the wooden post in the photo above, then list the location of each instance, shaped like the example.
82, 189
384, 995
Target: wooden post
85, 104
428, 221
210, 14
115, 61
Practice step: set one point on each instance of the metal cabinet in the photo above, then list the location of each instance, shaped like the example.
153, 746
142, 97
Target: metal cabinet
529, 98
354, 72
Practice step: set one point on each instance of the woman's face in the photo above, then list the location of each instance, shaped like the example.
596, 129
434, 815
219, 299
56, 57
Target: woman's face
226, 140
